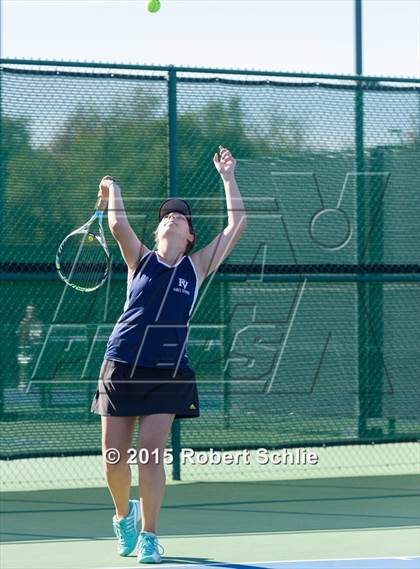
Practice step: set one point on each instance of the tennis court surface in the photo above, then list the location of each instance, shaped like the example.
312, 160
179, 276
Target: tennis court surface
348, 523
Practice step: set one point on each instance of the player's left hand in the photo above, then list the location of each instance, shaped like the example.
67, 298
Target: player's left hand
225, 166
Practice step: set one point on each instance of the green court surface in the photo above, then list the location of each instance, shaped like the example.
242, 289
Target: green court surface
356, 521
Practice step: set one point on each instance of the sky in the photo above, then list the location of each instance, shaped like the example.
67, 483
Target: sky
278, 35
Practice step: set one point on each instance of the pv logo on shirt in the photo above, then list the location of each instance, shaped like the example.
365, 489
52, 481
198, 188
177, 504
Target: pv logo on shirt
182, 286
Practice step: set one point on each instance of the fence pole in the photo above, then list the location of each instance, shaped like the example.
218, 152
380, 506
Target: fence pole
172, 140
376, 188
226, 335
3, 170
173, 191
362, 305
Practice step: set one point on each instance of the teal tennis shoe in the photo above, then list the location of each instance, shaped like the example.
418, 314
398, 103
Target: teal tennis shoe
126, 529
149, 548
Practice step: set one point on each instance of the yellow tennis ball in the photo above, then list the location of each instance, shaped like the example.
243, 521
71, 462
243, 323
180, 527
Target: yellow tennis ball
90, 237
153, 6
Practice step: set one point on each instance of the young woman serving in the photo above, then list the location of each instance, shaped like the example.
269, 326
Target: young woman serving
145, 374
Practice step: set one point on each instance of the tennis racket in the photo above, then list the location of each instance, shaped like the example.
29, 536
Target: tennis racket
82, 260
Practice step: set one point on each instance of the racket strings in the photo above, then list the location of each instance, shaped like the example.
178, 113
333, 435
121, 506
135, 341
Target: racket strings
83, 261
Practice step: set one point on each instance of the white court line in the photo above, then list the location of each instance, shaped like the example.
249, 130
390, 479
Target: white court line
207, 535
245, 563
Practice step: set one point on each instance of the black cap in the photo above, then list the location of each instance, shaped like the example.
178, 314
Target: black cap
175, 204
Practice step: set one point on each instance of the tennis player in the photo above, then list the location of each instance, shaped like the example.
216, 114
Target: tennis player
145, 374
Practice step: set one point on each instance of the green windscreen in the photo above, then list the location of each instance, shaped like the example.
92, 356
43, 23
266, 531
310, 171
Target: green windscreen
309, 332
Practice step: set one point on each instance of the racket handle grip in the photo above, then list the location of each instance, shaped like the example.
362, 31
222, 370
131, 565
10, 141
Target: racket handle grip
101, 204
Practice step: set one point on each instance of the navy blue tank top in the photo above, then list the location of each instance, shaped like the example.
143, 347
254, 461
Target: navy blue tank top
152, 330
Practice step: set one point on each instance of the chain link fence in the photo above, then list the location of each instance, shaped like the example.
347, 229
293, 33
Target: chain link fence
308, 335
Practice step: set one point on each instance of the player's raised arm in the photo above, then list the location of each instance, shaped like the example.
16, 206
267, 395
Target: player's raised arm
211, 257
132, 249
